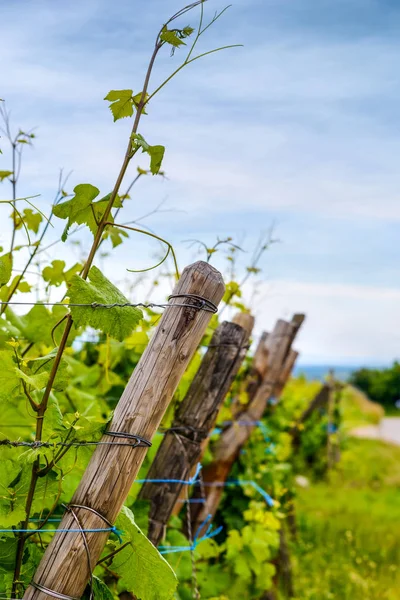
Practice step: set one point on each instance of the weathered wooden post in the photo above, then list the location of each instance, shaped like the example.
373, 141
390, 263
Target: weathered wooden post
234, 437
320, 400
246, 321
285, 373
64, 569
181, 447
254, 377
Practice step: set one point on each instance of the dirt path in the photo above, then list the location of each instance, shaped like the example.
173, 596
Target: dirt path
388, 430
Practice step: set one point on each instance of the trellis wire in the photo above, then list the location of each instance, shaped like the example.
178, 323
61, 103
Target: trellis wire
139, 441
205, 304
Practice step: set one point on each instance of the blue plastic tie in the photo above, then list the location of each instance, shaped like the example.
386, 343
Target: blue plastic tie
112, 529
232, 482
190, 481
196, 540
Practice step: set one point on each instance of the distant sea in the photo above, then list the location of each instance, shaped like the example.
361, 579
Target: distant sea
319, 372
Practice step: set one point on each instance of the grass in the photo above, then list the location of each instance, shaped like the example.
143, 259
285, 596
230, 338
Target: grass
358, 410
349, 534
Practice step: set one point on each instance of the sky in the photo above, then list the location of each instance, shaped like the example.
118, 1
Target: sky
297, 130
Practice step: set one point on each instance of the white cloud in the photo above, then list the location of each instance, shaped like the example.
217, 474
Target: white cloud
344, 324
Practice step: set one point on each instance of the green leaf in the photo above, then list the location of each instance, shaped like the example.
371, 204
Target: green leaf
156, 158
117, 322
56, 275
142, 569
171, 37
121, 103
72, 209
100, 590
8, 550
30, 218
83, 211
5, 174
116, 235
5, 268
36, 325
156, 153
36, 381
136, 99
9, 379
44, 364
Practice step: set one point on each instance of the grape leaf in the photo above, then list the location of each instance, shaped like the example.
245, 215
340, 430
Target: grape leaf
5, 174
44, 364
117, 322
85, 193
171, 37
121, 103
36, 381
141, 567
156, 153
5, 268
100, 590
18, 283
115, 235
31, 219
9, 379
8, 550
55, 273
36, 325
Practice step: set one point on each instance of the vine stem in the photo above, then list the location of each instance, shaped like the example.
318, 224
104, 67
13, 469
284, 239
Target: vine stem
63, 343
14, 194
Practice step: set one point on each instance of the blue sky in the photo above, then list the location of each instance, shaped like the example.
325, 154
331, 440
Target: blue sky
299, 128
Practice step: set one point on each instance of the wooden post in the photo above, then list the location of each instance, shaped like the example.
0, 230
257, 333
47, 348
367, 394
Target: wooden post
181, 447
245, 320
319, 401
286, 372
285, 573
255, 376
234, 437
112, 469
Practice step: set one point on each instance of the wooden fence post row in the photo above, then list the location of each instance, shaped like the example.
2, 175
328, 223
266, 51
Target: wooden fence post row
181, 447
64, 569
112, 469
233, 438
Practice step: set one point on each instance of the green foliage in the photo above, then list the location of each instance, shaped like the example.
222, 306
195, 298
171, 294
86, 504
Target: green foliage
139, 565
156, 153
31, 219
121, 103
175, 37
116, 235
5, 175
36, 325
117, 322
56, 273
76, 209
82, 210
380, 385
9, 380
5, 268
